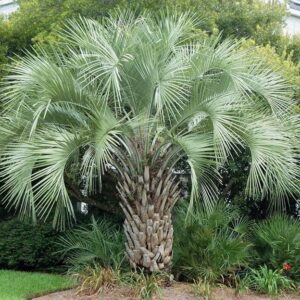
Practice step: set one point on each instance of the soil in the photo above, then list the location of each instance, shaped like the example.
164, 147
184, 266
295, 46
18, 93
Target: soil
178, 291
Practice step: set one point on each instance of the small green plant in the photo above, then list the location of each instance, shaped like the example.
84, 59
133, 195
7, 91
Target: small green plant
269, 281
297, 288
94, 279
277, 244
146, 285
99, 244
202, 289
149, 287
242, 284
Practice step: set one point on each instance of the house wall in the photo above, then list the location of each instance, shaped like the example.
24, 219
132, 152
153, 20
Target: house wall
7, 7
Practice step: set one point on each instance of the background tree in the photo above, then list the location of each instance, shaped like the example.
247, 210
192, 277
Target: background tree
37, 20
137, 96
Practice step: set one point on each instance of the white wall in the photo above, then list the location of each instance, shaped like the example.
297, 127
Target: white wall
7, 7
292, 25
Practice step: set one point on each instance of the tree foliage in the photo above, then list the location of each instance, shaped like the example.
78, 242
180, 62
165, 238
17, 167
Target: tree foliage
37, 20
131, 91
282, 63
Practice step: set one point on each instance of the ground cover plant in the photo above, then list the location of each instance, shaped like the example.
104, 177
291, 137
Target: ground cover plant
139, 96
16, 285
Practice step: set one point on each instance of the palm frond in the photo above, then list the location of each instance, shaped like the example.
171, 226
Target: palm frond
200, 153
274, 170
34, 172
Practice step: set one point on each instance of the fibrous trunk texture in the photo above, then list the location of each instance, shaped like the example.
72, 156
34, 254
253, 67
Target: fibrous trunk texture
147, 201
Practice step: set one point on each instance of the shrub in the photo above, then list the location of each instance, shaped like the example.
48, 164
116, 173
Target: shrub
94, 279
99, 243
211, 244
268, 281
24, 246
202, 289
277, 242
145, 286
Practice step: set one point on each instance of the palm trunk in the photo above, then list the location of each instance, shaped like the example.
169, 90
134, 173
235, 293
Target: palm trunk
147, 201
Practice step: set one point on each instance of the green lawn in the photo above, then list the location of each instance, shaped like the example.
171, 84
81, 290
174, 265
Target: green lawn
22, 285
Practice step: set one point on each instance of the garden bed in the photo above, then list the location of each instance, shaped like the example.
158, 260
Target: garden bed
178, 291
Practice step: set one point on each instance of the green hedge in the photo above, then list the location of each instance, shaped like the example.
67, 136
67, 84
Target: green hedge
24, 246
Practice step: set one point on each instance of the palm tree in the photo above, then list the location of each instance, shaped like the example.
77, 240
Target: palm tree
139, 96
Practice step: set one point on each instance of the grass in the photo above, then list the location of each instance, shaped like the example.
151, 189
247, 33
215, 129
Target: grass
23, 285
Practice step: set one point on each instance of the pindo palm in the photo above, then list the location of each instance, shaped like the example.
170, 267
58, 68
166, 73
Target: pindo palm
138, 96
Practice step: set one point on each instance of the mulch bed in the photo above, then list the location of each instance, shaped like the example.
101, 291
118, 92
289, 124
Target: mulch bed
178, 291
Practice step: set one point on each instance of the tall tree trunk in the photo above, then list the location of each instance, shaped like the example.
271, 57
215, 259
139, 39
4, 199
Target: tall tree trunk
147, 201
